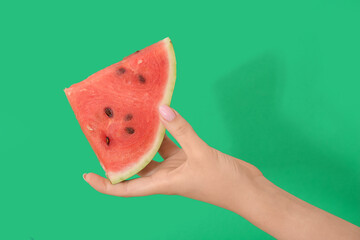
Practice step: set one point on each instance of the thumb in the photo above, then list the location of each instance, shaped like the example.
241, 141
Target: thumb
179, 128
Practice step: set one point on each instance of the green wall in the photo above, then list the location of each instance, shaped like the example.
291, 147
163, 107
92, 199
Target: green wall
275, 83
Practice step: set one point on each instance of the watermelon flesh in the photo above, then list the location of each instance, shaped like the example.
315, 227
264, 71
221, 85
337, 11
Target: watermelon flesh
117, 108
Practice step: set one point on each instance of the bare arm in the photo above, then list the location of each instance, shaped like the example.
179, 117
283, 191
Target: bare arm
201, 172
285, 216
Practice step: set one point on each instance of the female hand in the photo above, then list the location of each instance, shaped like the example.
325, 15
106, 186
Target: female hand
196, 170
201, 172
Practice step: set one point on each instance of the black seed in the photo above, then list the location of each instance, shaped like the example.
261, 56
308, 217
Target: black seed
108, 112
121, 71
137, 51
107, 141
128, 117
141, 78
129, 130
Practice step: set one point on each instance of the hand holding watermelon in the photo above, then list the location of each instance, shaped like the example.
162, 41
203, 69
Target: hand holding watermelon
201, 172
195, 170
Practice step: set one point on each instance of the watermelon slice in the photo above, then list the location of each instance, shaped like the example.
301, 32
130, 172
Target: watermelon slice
117, 108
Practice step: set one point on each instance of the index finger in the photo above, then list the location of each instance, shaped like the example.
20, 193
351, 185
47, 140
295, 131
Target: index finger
142, 186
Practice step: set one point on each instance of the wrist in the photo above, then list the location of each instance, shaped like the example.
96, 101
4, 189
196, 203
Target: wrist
247, 203
265, 205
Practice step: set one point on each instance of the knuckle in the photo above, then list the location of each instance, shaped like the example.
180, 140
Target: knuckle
182, 129
125, 189
105, 188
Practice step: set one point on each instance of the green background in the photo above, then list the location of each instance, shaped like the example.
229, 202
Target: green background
275, 83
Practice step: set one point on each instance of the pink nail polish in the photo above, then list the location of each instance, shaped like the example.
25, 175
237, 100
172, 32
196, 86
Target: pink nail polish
167, 113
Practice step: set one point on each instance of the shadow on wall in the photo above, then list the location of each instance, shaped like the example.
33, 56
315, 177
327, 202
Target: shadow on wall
250, 101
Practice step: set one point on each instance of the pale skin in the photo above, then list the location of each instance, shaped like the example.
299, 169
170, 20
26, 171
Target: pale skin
201, 172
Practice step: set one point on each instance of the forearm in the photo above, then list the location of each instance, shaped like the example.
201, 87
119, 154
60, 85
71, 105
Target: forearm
285, 216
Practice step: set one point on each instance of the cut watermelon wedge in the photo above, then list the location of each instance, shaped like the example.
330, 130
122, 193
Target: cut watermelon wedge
117, 108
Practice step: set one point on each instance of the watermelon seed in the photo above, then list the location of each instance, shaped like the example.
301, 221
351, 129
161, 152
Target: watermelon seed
108, 112
141, 78
107, 141
128, 117
129, 130
121, 71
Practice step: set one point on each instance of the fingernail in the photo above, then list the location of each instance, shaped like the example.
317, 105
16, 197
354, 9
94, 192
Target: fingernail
167, 113
84, 176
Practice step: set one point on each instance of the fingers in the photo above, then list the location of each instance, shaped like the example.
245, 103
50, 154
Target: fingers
149, 169
179, 128
131, 188
168, 148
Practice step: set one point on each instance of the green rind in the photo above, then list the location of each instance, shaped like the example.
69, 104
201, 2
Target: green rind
118, 177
